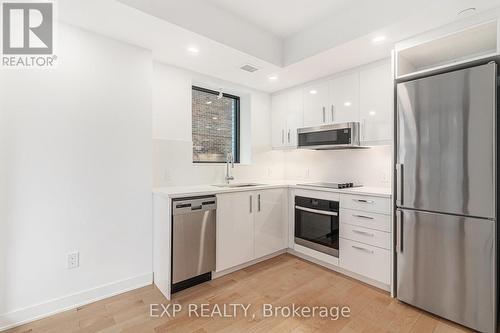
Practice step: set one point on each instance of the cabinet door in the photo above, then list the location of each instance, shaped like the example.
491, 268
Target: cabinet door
294, 116
270, 225
344, 99
235, 229
376, 103
316, 102
278, 120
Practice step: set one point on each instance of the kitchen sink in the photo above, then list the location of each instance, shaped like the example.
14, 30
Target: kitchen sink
238, 185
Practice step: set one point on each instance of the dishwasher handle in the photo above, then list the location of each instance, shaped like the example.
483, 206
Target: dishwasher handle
192, 205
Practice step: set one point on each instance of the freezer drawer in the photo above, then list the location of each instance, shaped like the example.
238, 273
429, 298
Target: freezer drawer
446, 265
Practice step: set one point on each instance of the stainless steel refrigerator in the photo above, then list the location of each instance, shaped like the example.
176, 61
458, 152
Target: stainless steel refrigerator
446, 195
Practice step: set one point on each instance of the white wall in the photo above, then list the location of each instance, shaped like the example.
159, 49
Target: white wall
78, 176
172, 145
172, 140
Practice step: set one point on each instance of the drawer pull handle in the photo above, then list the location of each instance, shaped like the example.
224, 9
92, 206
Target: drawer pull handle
363, 233
364, 201
361, 249
363, 217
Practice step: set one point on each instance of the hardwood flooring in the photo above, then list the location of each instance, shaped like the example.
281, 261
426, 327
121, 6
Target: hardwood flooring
280, 281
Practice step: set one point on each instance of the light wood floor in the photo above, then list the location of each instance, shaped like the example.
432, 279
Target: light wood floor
280, 281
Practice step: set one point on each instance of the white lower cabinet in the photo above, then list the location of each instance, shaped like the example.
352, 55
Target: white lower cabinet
235, 235
250, 225
269, 228
365, 237
370, 261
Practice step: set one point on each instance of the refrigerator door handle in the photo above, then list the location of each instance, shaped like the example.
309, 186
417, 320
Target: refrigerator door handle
399, 184
399, 231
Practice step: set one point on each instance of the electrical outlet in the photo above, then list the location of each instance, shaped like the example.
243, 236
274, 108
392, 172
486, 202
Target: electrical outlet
73, 260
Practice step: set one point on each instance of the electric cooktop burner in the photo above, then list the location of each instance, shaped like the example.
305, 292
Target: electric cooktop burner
333, 185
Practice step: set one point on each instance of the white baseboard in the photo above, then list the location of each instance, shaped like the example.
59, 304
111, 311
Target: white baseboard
45, 309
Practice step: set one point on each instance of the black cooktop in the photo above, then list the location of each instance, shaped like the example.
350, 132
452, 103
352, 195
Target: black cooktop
333, 185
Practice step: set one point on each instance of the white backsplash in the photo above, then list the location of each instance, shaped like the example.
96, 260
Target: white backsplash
172, 166
369, 167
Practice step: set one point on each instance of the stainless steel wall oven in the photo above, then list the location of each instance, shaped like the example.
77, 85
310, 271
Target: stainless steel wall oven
317, 224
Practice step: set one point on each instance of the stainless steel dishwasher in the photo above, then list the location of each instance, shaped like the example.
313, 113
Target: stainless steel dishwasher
193, 241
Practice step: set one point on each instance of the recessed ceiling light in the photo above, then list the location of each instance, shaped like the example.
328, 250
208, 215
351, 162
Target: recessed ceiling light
215, 118
372, 112
347, 103
273, 77
313, 92
193, 50
378, 39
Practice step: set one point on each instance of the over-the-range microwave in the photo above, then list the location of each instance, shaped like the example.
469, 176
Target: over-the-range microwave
326, 137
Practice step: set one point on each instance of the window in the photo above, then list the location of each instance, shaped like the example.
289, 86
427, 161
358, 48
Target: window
216, 126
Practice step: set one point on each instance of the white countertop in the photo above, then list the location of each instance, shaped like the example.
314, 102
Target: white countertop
199, 190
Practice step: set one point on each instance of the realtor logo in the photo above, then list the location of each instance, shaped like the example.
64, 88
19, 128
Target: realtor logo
28, 32
27, 28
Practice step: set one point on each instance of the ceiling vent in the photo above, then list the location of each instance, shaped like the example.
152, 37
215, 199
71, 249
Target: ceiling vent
249, 68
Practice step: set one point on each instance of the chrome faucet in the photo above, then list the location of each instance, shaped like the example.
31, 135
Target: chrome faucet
229, 159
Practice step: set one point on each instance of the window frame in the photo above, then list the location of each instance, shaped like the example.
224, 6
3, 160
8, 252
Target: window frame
236, 156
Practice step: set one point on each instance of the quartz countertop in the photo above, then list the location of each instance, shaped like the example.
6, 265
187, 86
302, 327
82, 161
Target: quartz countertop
200, 190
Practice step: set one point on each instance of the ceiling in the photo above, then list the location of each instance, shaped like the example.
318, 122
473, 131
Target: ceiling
282, 18
341, 41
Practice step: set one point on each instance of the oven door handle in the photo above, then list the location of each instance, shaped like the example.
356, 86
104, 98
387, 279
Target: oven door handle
322, 212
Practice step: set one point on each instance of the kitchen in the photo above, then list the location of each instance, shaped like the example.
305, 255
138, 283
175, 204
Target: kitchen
276, 171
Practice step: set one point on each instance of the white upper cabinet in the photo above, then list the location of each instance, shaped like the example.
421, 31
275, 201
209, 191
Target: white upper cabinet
278, 120
294, 116
333, 101
376, 104
286, 118
362, 95
344, 106
316, 103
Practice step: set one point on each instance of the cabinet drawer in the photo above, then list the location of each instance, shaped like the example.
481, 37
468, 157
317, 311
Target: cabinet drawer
369, 261
366, 203
366, 219
364, 235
